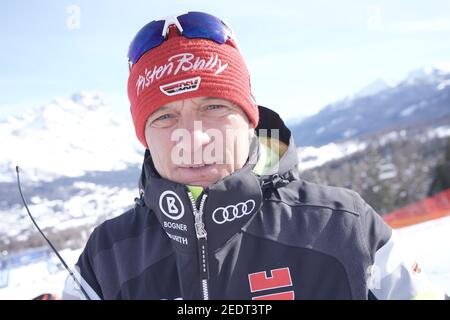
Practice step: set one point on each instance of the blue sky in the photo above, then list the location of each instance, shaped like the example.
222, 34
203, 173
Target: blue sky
301, 54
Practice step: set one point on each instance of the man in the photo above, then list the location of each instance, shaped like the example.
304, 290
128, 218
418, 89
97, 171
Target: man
222, 212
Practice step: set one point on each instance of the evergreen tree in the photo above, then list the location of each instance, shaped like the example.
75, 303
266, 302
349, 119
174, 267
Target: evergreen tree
441, 174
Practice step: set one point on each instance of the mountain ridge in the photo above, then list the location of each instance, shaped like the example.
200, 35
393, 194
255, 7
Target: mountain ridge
422, 97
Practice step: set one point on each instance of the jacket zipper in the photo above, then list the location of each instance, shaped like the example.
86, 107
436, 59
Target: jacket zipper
202, 246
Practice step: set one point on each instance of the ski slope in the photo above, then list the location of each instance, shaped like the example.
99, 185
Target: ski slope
430, 241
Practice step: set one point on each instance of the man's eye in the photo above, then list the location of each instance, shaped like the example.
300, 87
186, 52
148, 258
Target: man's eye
163, 117
164, 120
214, 107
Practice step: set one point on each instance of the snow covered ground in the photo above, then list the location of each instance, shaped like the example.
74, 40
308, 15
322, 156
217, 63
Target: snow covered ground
429, 240
310, 157
80, 209
31, 280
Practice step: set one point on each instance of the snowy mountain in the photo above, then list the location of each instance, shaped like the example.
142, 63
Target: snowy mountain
67, 137
374, 88
79, 162
384, 142
421, 99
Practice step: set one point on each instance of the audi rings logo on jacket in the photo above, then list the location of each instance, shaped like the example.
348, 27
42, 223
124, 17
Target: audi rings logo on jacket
232, 212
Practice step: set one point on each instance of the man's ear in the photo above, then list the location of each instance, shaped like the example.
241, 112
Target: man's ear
251, 133
147, 136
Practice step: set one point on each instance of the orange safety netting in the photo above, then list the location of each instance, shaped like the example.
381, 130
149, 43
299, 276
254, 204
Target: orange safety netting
430, 208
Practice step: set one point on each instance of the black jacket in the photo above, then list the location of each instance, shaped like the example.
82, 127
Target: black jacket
248, 236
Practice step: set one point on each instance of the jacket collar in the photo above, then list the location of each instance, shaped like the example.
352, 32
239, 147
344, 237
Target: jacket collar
228, 206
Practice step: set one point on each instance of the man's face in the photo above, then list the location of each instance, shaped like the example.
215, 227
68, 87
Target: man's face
198, 141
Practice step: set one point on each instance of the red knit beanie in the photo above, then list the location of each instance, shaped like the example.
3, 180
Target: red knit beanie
182, 68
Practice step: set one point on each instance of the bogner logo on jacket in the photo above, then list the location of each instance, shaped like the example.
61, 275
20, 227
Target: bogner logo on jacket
248, 236
171, 205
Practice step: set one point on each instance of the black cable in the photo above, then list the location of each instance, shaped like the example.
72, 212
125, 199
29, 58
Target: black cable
48, 241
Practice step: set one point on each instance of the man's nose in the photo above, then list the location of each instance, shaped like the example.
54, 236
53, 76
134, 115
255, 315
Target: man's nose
199, 137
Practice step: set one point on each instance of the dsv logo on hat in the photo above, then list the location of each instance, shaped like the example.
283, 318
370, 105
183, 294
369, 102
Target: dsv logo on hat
232, 212
182, 86
171, 205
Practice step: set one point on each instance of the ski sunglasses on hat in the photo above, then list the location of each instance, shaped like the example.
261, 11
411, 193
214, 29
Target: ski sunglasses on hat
190, 25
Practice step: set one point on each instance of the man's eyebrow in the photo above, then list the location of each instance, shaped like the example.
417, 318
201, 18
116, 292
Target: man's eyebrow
163, 108
206, 99
209, 98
